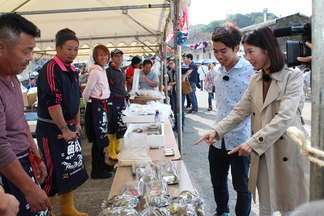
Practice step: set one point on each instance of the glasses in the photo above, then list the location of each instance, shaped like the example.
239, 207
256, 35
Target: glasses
225, 78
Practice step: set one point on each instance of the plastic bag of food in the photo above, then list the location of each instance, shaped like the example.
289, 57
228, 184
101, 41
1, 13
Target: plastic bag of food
134, 188
167, 171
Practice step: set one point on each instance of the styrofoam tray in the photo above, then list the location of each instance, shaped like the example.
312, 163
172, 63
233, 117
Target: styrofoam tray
152, 140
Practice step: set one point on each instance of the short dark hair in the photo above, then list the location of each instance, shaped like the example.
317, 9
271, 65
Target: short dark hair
136, 60
96, 50
12, 25
189, 55
264, 38
227, 34
145, 62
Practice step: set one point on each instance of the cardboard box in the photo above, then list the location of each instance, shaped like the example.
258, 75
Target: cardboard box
25, 98
29, 99
152, 140
32, 98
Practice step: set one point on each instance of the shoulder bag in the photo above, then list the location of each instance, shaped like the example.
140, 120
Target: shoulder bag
186, 88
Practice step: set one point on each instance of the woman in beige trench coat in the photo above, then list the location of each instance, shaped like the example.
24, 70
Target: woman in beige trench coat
274, 99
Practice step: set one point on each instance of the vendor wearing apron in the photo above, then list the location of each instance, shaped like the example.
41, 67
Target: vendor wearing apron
21, 169
116, 103
58, 125
95, 95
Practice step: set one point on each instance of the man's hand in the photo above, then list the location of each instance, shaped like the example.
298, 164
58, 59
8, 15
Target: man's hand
186, 75
243, 150
70, 135
208, 137
144, 78
41, 172
78, 129
307, 58
37, 199
9, 205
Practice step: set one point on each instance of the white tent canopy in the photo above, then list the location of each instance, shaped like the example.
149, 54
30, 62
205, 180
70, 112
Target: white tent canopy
137, 27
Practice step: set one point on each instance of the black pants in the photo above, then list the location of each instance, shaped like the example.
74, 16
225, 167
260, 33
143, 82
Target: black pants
98, 157
188, 101
219, 163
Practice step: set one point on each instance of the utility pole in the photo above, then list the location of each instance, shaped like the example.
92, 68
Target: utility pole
265, 10
317, 134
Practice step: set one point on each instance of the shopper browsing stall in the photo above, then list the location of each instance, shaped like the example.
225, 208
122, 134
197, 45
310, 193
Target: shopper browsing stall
274, 98
231, 81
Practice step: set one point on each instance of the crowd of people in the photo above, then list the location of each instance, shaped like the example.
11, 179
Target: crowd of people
257, 99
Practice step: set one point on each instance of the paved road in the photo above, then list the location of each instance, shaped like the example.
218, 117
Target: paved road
89, 196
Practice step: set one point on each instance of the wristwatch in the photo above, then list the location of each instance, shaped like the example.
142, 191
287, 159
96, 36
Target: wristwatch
1, 181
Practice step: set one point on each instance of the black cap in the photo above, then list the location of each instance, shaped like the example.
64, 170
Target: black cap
115, 52
64, 35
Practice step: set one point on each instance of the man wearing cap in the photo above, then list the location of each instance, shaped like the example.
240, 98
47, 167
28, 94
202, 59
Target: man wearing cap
32, 83
116, 103
58, 126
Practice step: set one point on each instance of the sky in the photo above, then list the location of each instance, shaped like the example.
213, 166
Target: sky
204, 11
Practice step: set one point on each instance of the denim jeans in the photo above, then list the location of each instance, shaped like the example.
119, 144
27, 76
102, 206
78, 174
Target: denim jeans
219, 163
210, 97
174, 105
193, 97
202, 85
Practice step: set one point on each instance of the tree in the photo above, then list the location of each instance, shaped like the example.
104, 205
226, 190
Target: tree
241, 20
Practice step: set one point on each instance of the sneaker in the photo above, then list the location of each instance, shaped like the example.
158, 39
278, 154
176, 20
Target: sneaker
100, 175
187, 108
192, 111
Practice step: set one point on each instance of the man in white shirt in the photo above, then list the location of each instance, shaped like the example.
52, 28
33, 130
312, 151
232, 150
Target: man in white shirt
202, 71
231, 81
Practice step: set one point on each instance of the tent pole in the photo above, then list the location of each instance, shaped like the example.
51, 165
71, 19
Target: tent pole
165, 77
76, 10
144, 44
317, 124
138, 23
175, 7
